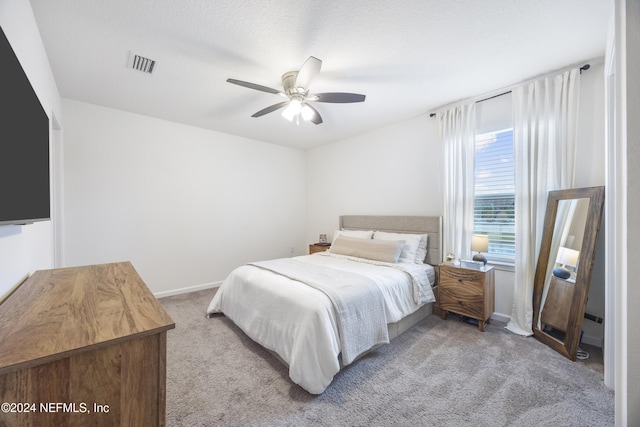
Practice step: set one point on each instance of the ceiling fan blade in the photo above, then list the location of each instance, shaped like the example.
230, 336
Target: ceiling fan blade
270, 109
254, 86
316, 119
339, 97
308, 72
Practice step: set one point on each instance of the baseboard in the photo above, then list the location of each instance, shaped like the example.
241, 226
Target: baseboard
500, 317
187, 289
594, 341
494, 316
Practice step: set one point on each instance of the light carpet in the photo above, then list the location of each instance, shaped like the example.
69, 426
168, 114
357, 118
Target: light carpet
438, 373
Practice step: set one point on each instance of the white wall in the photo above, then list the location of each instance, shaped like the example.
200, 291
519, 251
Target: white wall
396, 170
391, 171
24, 249
590, 171
185, 205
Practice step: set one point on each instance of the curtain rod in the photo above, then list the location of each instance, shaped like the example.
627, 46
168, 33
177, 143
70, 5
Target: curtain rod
585, 67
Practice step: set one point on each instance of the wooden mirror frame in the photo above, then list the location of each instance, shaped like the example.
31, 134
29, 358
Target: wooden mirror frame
568, 347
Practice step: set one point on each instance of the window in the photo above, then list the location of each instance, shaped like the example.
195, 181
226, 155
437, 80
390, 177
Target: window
494, 209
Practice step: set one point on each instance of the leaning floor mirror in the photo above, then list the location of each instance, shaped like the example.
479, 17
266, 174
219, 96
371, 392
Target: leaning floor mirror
563, 274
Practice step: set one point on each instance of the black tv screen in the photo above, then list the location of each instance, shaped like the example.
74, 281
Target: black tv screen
24, 145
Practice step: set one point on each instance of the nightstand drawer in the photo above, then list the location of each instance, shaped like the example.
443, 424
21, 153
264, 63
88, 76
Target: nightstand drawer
462, 277
467, 300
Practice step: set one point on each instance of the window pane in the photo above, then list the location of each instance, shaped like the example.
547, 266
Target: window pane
494, 211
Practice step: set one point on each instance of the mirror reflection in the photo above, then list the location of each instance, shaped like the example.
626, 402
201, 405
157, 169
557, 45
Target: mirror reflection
564, 257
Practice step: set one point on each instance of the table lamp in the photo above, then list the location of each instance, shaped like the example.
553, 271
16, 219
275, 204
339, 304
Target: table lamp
566, 257
480, 243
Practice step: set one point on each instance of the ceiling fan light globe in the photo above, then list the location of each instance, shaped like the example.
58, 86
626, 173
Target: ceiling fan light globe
287, 114
294, 106
307, 112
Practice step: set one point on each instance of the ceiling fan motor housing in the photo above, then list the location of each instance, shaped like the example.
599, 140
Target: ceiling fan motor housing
289, 82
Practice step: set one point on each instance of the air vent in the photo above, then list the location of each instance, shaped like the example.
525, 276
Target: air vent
141, 63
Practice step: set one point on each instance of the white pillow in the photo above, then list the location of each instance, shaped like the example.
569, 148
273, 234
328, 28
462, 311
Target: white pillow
361, 234
377, 250
421, 253
411, 243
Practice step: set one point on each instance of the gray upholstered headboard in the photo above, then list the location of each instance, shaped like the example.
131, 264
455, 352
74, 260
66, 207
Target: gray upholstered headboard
431, 225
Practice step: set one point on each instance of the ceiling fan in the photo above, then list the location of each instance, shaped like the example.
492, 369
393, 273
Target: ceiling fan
296, 90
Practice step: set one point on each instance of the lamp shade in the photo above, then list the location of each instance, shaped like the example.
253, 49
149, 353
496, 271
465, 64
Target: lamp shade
568, 256
479, 243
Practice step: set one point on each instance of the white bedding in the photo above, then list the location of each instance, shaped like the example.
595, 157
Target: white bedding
298, 322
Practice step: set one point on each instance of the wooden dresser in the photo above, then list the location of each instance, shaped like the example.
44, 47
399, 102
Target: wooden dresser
467, 292
83, 346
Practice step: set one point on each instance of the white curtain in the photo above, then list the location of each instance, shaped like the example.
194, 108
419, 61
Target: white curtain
458, 134
545, 122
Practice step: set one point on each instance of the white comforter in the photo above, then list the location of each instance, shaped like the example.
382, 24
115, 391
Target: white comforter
298, 322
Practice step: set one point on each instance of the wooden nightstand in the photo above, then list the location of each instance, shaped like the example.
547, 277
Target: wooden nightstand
316, 247
556, 306
467, 292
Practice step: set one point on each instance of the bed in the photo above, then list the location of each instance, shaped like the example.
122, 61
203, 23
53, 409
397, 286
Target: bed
318, 313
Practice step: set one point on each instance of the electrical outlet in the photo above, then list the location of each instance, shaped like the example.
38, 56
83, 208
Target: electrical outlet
293, 249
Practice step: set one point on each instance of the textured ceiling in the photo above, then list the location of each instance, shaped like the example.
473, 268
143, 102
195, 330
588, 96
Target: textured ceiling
407, 56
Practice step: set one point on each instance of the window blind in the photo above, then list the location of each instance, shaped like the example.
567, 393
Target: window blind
494, 209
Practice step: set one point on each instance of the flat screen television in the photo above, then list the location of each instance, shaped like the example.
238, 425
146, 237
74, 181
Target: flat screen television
24, 145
